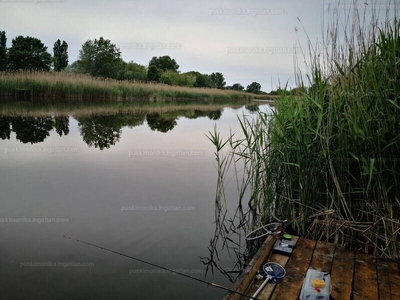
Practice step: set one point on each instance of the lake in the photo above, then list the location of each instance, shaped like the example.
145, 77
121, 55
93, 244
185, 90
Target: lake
138, 181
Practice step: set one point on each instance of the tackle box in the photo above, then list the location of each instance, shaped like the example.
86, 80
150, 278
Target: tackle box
316, 286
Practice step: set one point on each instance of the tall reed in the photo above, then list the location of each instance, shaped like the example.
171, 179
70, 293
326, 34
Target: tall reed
329, 159
58, 85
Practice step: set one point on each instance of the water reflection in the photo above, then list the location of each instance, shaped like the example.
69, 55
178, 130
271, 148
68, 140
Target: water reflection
5, 128
32, 129
97, 130
61, 125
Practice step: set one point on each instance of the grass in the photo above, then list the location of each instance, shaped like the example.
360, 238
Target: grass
77, 86
328, 159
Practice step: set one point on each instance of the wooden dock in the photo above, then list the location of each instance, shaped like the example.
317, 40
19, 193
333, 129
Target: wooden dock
354, 275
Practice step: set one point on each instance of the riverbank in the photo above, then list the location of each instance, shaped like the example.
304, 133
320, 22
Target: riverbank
70, 86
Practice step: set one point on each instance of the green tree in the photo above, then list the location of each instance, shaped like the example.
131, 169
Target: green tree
132, 71
237, 87
60, 55
28, 53
99, 57
218, 80
203, 80
3, 51
159, 65
254, 87
172, 78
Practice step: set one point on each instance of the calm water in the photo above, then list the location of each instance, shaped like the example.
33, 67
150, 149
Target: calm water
139, 184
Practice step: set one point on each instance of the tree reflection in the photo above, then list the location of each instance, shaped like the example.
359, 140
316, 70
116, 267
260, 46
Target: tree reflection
32, 129
99, 131
62, 125
214, 115
5, 128
162, 123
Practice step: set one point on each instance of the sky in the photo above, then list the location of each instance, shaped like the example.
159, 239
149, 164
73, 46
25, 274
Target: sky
246, 41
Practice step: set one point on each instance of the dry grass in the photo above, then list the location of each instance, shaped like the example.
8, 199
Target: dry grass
70, 85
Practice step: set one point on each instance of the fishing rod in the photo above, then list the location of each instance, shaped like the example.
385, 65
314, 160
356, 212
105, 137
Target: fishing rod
160, 267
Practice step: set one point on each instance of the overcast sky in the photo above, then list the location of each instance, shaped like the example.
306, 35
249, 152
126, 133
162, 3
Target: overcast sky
247, 40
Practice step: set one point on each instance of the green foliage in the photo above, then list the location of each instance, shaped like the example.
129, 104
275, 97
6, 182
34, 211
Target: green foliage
237, 87
254, 87
28, 53
218, 80
60, 56
159, 65
3, 51
99, 57
177, 79
132, 71
328, 159
203, 80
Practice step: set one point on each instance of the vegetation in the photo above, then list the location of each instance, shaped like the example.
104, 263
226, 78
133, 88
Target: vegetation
62, 85
218, 80
99, 57
254, 87
28, 53
3, 51
60, 58
237, 87
327, 159
159, 65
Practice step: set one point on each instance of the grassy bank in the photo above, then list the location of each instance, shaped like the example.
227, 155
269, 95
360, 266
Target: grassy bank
329, 159
77, 86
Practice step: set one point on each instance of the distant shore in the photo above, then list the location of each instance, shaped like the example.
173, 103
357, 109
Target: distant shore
33, 85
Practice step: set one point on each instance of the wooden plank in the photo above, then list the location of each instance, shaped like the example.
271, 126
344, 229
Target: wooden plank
296, 269
365, 277
269, 288
323, 257
342, 274
244, 280
388, 279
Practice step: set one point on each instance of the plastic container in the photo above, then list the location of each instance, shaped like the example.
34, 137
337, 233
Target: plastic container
316, 286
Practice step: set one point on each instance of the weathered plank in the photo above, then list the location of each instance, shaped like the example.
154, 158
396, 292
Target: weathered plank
389, 279
269, 288
323, 257
342, 274
244, 280
295, 271
365, 277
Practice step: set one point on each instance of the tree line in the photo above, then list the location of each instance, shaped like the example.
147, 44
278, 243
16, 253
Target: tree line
101, 58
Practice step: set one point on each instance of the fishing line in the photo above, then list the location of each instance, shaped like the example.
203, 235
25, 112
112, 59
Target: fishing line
160, 267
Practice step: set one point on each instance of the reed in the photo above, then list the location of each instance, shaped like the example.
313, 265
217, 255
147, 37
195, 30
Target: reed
61, 85
328, 159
